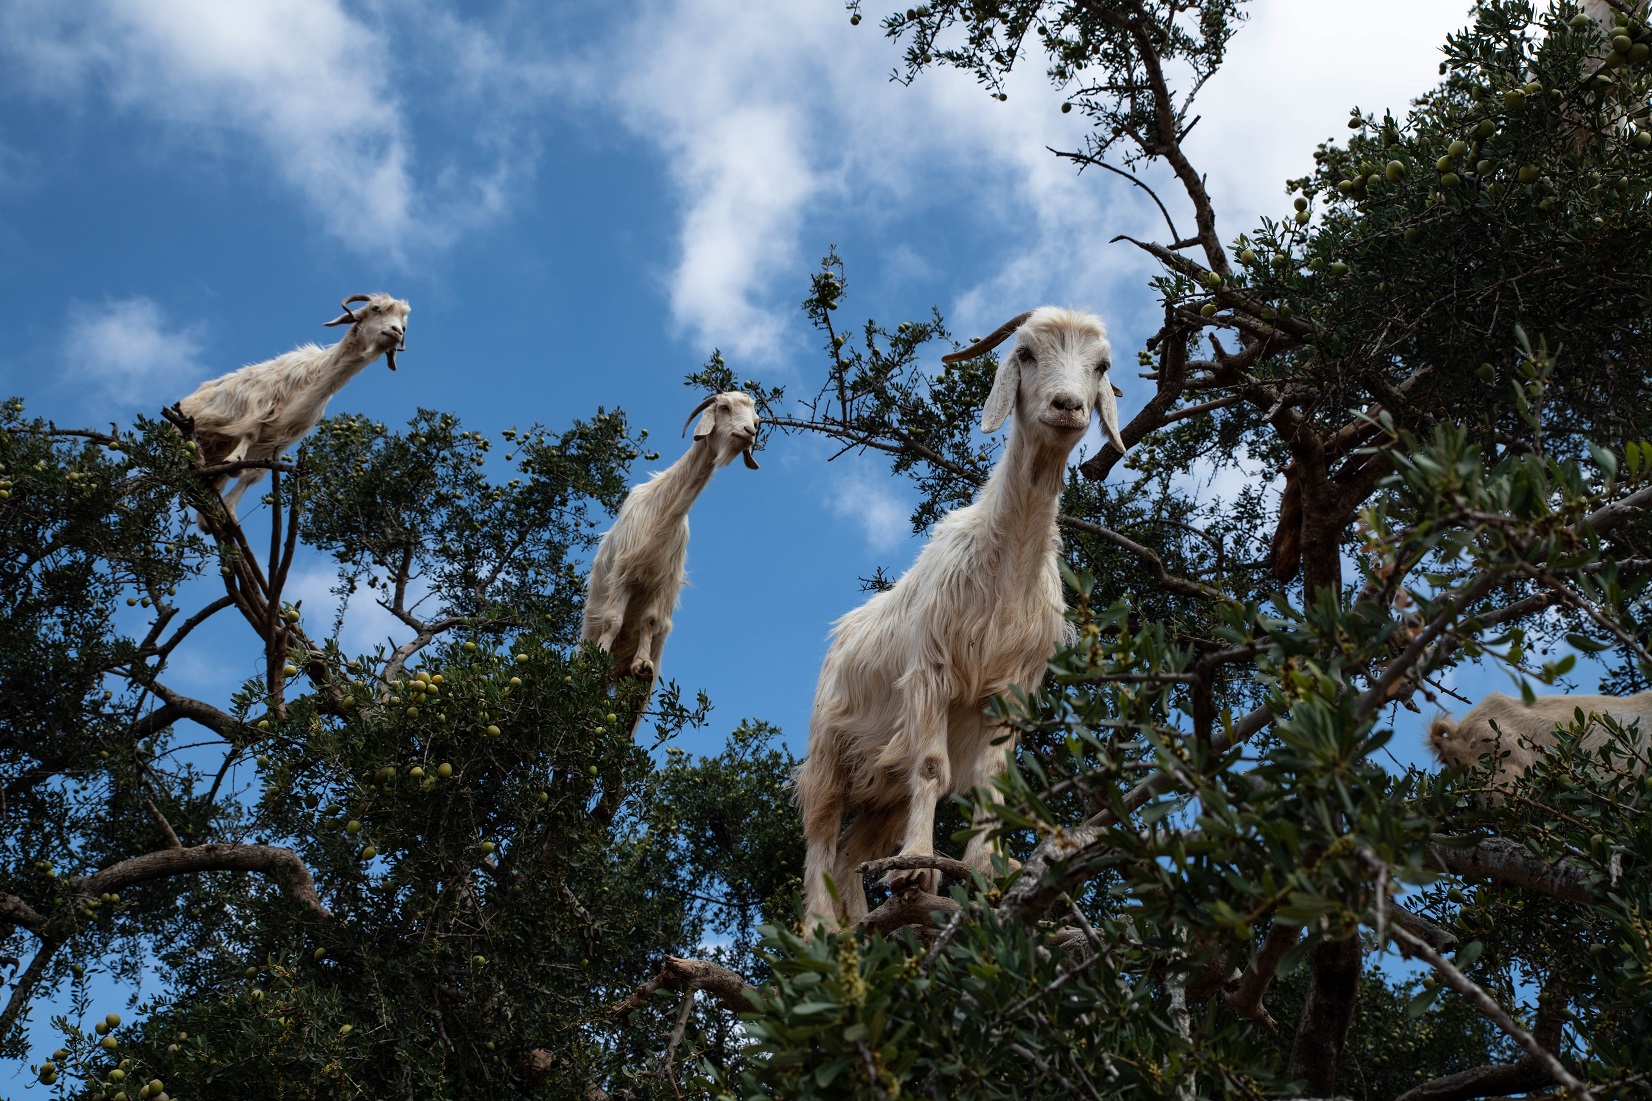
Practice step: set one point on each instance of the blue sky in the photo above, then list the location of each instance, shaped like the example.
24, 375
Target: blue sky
581, 202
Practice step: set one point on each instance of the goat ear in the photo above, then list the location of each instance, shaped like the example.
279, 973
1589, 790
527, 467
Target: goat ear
1107, 407
708, 421
1002, 399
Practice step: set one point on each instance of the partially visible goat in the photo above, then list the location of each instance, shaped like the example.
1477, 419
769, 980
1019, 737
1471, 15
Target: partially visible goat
1522, 734
263, 409
637, 573
898, 715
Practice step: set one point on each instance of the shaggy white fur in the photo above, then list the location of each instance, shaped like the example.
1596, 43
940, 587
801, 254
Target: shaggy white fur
898, 715
1523, 734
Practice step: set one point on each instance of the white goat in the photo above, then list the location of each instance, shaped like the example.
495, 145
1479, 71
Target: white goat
263, 409
898, 714
637, 573
1523, 734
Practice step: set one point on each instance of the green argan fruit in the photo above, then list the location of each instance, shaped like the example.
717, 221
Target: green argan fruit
1394, 171
1301, 203
369, 853
1208, 310
1457, 148
1514, 99
486, 847
289, 670
1339, 268
444, 770
1487, 372
493, 731
469, 647
1246, 256
353, 826
1302, 217
1529, 174
1450, 179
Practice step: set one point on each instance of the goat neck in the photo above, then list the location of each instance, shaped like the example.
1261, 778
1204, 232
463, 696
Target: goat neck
1020, 501
676, 487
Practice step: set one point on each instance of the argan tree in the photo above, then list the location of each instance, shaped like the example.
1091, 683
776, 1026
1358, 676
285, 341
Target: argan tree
422, 871
1439, 354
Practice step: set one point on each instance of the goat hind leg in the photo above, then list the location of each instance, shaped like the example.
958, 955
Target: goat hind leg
979, 852
929, 777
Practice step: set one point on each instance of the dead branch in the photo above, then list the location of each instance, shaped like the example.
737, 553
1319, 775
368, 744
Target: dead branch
731, 991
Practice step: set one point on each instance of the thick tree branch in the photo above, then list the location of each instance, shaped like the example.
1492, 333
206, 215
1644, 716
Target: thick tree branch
731, 991
1511, 864
1328, 1010
280, 864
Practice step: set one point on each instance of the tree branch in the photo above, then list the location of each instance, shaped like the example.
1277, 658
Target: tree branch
1509, 863
281, 864
734, 993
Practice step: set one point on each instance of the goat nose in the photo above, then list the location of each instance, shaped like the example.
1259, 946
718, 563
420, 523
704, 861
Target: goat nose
1068, 403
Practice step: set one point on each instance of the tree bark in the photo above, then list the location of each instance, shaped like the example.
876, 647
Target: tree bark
1333, 989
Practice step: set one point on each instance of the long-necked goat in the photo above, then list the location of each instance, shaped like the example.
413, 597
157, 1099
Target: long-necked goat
1523, 734
637, 573
899, 711
263, 409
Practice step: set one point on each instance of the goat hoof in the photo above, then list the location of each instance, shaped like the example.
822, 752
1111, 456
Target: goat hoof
642, 669
927, 880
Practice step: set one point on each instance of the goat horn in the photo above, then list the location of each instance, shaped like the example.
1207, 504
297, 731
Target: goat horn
348, 317
982, 347
698, 409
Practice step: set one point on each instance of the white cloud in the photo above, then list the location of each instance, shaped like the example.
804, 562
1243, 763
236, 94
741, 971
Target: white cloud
308, 81
366, 623
127, 350
1290, 80
867, 499
769, 115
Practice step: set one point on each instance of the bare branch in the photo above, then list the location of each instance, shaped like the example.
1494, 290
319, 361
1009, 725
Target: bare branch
1508, 862
281, 864
1493, 1012
734, 993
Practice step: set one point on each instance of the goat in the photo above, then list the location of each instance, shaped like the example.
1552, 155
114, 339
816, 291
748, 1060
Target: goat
259, 411
1523, 734
898, 717
637, 572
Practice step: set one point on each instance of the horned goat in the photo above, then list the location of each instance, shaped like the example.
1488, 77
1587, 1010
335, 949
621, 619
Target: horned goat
259, 411
1522, 734
899, 716
637, 572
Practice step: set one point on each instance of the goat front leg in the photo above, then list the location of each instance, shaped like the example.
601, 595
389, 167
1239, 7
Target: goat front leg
929, 777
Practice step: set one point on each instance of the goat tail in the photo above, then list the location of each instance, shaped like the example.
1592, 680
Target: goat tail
1440, 733
819, 793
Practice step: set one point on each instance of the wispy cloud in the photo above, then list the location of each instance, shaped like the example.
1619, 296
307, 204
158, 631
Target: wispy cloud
796, 117
130, 354
313, 85
870, 502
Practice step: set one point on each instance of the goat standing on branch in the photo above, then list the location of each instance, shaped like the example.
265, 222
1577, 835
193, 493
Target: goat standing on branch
898, 715
256, 413
1522, 734
637, 573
